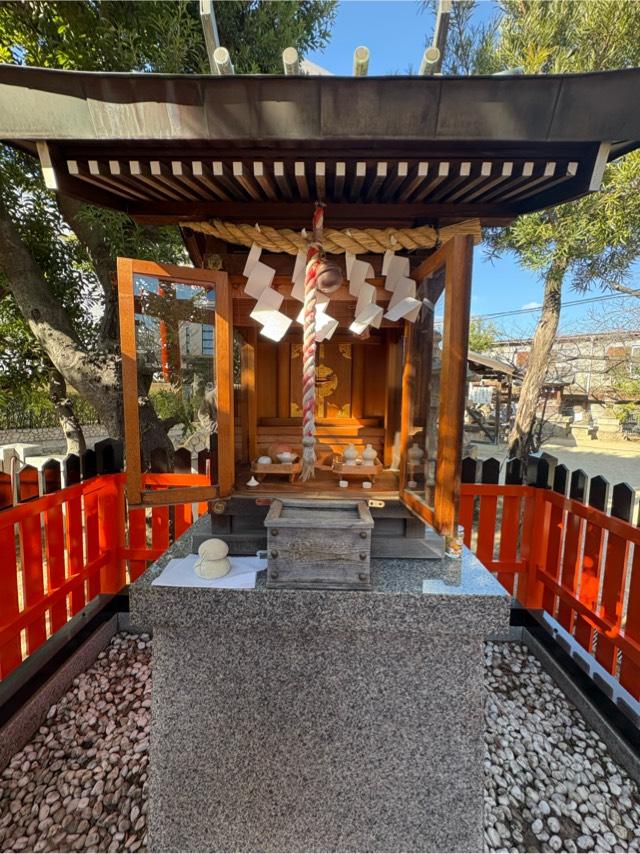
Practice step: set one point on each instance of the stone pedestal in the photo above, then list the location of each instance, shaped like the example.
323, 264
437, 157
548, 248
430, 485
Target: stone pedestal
320, 720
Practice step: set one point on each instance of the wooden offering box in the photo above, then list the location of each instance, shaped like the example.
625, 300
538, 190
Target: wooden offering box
319, 544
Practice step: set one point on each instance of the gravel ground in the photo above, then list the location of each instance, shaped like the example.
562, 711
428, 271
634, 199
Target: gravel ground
81, 783
550, 784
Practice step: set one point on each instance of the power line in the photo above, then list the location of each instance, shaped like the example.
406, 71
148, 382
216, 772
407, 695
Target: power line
539, 307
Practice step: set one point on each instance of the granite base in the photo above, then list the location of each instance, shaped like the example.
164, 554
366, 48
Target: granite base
321, 720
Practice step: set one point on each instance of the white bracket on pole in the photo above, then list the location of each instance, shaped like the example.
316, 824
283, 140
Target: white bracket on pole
210, 30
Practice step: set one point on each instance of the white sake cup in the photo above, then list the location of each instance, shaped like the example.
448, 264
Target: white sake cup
343, 484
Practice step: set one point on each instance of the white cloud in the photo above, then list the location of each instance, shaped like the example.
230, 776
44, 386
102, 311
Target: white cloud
532, 305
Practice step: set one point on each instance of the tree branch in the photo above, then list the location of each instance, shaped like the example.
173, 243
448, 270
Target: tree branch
623, 289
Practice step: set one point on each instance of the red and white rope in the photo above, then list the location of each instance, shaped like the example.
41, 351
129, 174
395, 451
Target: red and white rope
314, 252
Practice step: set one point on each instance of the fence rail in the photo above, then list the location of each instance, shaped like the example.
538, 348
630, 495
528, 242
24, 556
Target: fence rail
556, 541
566, 546
62, 547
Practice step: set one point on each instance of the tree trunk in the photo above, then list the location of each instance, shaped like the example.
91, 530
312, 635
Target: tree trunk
64, 410
95, 375
543, 339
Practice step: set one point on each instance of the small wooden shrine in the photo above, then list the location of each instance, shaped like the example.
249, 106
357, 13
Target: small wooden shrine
408, 169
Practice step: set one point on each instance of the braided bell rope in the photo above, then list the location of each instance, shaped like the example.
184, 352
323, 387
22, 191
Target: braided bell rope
314, 252
334, 241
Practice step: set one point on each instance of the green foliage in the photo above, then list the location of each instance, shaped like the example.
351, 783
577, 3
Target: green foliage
105, 35
597, 238
470, 45
483, 335
171, 404
31, 407
153, 35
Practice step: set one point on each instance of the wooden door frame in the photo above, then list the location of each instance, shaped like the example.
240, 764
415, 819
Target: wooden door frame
456, 256
127, 269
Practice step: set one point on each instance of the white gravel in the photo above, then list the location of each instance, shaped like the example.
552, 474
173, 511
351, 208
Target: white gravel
81, 783
550, 783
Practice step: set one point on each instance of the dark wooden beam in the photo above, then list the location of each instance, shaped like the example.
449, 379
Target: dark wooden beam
298, 214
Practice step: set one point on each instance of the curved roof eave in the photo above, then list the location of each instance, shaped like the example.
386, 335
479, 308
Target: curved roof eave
96, 107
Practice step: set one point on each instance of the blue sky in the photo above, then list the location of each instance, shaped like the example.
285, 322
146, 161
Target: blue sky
395, 31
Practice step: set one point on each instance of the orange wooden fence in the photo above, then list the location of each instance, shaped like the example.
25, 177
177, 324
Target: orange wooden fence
60, 550
570, 555
575, 556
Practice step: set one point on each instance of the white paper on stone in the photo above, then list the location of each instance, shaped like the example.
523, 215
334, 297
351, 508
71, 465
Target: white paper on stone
259, 279
360, 271
397, 268
404, 308
180, 572
371, 315
268, 302
252, 259
275, 326
325, 327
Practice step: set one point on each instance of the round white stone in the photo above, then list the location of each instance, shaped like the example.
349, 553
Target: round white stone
212, 568
213, 549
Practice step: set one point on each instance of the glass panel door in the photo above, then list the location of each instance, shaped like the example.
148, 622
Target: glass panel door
422, 395
176, 339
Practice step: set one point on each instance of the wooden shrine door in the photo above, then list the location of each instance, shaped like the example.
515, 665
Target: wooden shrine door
433, 386
176, 339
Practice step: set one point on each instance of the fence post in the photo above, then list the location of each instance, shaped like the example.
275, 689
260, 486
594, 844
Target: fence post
535, 530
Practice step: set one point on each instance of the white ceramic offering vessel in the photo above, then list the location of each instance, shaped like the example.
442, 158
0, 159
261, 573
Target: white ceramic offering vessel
349, 455
369, 455
286, 457
264, 461
415, 453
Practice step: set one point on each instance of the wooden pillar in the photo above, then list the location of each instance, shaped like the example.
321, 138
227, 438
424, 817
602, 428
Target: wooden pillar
454, 369
129, 378
357, 379
224, 385
284, 379
496, 438
248, 368
393, 394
